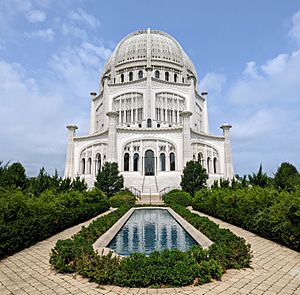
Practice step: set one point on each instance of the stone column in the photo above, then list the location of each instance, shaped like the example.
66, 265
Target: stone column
93, 117
69, 168
186, 136
107, 103
228, 167
112, 136
205, 113
149, 106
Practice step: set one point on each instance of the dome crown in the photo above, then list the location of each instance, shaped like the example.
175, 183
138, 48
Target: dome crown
149, 46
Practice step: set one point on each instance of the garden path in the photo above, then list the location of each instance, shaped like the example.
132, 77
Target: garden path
275, 270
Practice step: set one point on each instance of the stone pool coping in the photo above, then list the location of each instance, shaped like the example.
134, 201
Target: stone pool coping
100, 246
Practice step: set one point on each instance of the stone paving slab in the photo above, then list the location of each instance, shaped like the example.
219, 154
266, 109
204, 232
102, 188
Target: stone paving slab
275, 270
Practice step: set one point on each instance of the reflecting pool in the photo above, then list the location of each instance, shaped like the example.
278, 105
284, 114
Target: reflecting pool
148, 230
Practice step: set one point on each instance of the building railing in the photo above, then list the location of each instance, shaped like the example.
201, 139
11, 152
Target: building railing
164, 191
136, 192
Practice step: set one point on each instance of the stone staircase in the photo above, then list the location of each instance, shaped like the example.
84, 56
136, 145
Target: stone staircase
149, 187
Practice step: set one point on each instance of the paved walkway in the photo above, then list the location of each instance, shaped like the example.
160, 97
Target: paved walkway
275, 270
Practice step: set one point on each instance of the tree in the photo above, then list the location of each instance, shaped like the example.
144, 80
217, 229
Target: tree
286, 177
13, 176
109, 179
40, 183
79, 184
259, 179
194, 177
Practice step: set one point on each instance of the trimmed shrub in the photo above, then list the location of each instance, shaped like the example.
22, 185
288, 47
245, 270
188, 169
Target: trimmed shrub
25, 220
178, 197
119, 200
268, 212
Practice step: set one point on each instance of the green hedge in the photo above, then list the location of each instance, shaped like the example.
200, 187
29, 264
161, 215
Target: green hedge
160, 269
179, 197
265, 211
25, 220
122, 198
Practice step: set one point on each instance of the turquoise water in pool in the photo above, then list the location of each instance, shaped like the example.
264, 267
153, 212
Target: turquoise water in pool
148, 230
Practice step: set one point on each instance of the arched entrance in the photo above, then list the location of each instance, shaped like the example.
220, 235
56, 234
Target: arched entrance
149, 162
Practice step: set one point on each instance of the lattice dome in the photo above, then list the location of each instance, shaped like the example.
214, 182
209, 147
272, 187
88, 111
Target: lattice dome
154, 44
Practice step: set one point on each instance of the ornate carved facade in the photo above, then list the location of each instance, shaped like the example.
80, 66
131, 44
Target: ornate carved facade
149, 118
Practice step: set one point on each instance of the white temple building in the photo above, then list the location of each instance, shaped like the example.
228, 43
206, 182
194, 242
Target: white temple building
149, 118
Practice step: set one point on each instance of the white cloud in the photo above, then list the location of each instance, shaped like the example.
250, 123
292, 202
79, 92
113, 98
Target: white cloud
276, 80
36, 111
294, 32
251, 70
70, 29
35, 16
213, 83
47, 35
276, 65
82, 17
79, 66
28, 116
265, 113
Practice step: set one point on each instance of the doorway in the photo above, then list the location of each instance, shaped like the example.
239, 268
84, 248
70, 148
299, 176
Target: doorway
149, 162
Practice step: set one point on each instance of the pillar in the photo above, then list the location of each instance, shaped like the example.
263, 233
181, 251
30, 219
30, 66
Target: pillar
186, 136
69, 168
205, 113
93, 117
107, 103
112, 136
228, 167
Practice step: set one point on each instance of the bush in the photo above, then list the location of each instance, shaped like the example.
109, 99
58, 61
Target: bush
265, 211
160, 269
25, 219
178, 197
119, 200
228, 249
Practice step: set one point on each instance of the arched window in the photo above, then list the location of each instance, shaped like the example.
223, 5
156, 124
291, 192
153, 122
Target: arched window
140, 74
122, 78
215, 165
208, 164
175, 78
89, 166
157, 74
83, 166
200, 159
98, 164
172, 162
126, 162
136, 162
162, 158
167, 76
149, 123
130, 76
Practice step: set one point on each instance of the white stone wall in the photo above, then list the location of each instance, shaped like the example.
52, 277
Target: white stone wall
188, 135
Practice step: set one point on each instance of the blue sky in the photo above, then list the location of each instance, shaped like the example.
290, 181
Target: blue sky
247, 54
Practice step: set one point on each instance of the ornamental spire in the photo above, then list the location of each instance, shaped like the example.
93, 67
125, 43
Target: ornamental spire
148, 48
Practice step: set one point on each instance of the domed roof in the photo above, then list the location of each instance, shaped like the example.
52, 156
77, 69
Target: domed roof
145, 45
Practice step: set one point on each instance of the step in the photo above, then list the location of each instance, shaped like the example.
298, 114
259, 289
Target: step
150, 199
